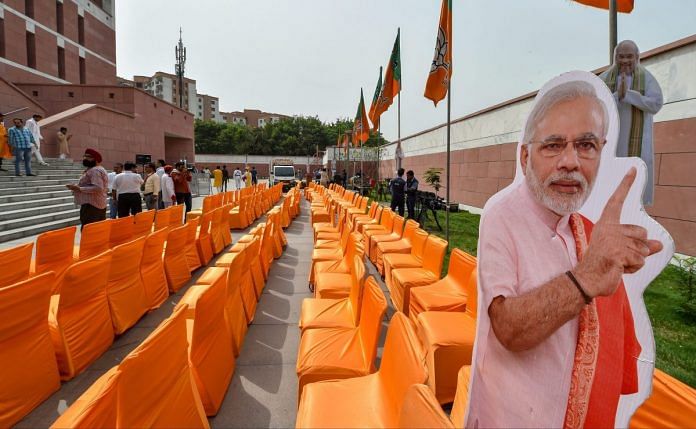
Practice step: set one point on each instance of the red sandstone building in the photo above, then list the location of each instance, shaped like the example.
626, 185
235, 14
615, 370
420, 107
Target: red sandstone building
58, 58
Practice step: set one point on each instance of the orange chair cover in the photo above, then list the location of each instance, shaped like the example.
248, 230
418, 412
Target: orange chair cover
337, 285
29, 371
143, 223
176, 215
672, 404
152, 269
79, 318
373, 400
204, 243
421, 410
461, 398
162, 219
95, 407
54, 252
94, 239
193, 259
216, 231
399, 246
15, 264
210, 344
125, 290
335, 353
411, 260
448, 349
385, 237
225, 222
175, 261
121, 231
153, 386
234, 307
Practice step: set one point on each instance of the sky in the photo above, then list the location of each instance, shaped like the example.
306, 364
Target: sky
312, 57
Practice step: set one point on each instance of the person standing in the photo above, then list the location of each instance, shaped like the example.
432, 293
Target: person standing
90, 190
167, 187
638, 97
5, 151
397, 187
181, 177
63, 140
113, 202
21, 141
127, 188
225, 177
324, 177
160, 173
217, 179
237, 175
254, 179
35, 130
411, 191
151, 188
247, 178
344, 176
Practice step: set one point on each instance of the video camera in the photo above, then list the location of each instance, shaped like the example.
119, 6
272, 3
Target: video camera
430, 200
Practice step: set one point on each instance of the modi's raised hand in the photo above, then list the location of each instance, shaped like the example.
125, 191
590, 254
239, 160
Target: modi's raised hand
614, 248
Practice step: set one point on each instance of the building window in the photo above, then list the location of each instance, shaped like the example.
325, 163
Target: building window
112, 95
71, 94
61, 62
59, 17
29, 8
31, 50
2, 37
81, 30
83, 72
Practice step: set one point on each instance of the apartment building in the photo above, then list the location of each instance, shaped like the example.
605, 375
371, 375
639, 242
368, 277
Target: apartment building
208, 108
252, 117
166, 87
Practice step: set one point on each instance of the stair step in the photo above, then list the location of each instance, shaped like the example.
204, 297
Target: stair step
38, 219
26, 212
35, 195
46, 182
13, 178
35, 229
18, 205
31, 189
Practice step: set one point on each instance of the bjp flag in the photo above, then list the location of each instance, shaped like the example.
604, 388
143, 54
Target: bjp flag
392, 79
373, 106
441, 68
361, 128
623, 6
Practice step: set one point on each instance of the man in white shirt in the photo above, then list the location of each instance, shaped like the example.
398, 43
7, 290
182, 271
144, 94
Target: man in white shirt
237, 178
127, 189
35, 130
167, 186
113, 206
160, 173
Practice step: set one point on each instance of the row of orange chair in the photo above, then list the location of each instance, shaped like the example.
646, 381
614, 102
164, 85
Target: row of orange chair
105, 286
200, 341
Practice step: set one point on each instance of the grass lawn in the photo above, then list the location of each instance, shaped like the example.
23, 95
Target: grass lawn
675, 331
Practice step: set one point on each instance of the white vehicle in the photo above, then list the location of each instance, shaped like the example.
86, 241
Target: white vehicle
283, 171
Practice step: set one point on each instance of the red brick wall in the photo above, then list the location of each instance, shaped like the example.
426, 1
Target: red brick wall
479, 173
12, 99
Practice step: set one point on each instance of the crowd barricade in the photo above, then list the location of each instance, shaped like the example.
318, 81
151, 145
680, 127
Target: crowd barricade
54, 252
79, 316
333, 353
29, 370
403, 245
16, 264
95, 238
450, 293
405, 279
125, 290
402, 365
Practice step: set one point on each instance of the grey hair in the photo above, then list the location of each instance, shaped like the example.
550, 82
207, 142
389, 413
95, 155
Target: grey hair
564, 92
632, 45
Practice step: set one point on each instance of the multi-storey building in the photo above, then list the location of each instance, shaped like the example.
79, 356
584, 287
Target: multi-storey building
251, 117
166, 87
61, 41
208, 108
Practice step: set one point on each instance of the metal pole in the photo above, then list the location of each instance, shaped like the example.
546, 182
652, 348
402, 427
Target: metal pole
612, 29
398, 128
447, 213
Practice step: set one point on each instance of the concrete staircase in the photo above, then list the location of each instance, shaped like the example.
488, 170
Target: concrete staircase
32, 205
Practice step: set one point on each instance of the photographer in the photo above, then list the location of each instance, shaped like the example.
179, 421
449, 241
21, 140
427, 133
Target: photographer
411, 193
397, 187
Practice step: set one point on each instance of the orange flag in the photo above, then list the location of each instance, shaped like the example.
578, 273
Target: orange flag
361, 128
441, 67
373, 105
392, 80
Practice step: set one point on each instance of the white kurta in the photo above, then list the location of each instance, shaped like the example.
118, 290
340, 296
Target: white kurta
650, 104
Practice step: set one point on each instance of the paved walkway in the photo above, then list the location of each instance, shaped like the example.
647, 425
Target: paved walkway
263, 392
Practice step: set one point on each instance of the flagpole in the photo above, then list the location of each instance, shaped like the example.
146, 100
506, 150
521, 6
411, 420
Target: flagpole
447, 213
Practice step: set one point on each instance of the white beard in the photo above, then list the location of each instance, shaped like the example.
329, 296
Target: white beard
559, 203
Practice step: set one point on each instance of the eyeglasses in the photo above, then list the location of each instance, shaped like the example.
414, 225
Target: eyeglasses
585, 147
